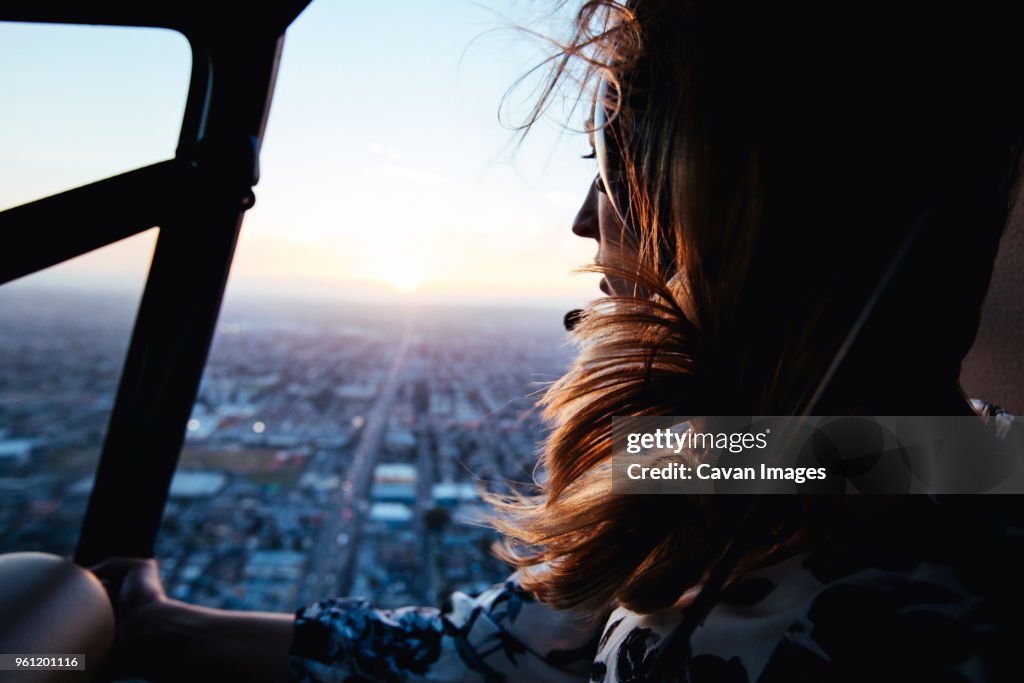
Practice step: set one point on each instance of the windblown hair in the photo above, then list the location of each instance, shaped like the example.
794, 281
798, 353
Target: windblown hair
782, 169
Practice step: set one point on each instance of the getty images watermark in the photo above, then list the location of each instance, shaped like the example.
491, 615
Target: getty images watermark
837, 455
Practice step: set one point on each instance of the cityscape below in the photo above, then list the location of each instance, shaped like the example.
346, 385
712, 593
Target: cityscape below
333, 449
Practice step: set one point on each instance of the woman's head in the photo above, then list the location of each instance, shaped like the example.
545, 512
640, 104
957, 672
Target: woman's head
772, 164
775, 170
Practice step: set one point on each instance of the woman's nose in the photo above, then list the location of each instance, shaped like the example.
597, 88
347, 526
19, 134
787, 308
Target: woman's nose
586, 221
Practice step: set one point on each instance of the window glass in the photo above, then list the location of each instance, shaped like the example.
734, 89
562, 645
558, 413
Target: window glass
63, 347
82, 103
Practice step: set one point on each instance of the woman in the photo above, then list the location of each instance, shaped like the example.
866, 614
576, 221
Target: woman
797, 214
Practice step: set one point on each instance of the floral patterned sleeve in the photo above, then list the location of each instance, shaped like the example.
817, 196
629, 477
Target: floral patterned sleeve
501, 635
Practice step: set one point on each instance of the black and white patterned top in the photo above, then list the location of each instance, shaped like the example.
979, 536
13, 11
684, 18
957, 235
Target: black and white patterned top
934, 594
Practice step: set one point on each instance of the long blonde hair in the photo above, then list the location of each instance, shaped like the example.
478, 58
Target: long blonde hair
739, 162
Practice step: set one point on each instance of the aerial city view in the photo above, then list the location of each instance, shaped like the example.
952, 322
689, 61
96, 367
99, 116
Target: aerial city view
334, 449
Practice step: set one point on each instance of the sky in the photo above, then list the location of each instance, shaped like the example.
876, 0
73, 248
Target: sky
385, 171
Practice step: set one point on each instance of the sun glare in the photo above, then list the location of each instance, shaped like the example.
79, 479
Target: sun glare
402, 265
405, 280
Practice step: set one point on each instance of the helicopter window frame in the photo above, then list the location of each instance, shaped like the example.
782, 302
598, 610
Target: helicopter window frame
198, 200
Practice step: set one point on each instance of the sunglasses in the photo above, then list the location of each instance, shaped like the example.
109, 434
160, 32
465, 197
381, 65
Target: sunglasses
611, 178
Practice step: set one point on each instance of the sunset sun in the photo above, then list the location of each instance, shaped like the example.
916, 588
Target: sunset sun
402, 267
405, 279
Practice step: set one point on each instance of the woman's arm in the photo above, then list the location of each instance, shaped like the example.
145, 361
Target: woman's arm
501, 634
187, 642
163, 639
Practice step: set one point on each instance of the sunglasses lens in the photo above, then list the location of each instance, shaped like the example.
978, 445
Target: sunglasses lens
609, 158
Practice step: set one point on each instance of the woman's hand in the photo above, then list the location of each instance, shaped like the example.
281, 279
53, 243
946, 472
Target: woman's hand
140, 606
131, 582
161, 639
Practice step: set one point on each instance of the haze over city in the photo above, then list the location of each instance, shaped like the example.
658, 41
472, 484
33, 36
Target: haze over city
385, 172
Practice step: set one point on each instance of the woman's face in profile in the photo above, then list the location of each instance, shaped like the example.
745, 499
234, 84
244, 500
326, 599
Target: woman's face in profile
598, 220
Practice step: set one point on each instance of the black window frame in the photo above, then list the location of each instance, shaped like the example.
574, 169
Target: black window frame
198, 199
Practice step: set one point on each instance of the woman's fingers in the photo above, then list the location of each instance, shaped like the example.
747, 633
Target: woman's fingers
130, 581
